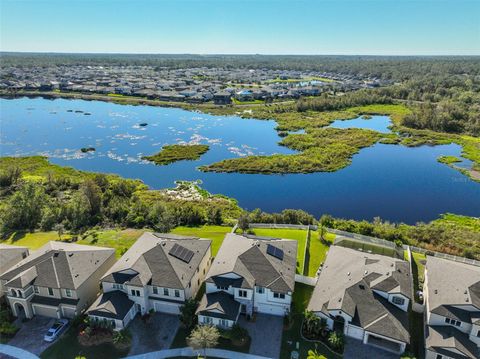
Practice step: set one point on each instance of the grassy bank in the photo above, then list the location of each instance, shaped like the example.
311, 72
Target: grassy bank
173, 153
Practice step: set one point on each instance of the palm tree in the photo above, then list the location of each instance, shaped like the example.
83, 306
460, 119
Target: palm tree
311, 322
204, 336
313, 354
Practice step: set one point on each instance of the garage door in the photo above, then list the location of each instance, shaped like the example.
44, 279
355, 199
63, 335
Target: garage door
167, 307
270, 309
45, 311
354, 332
68, 312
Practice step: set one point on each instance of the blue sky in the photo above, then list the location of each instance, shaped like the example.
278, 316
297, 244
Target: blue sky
377, 27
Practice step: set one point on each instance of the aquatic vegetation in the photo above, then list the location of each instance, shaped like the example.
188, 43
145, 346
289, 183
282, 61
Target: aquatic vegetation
174, 153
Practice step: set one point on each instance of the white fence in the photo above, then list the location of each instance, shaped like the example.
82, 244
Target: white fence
446, 256
306, 280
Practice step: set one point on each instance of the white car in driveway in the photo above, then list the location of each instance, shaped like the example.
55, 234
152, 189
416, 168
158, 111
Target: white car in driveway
57, 328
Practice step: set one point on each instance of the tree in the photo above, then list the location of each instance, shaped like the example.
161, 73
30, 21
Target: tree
93, 194
336, 341
313, 354
243, 222
60, 230
187, 313
204, 336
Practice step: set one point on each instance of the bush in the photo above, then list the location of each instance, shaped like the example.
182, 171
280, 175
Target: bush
336, 341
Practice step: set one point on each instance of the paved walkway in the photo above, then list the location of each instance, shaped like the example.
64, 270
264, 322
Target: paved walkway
355, 349
189, 352
8, 351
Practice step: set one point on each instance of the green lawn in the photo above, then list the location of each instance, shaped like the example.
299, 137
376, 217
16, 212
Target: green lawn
215, 233
418, 271
120, 240
367, 247
291, 336
68, 347
318, 251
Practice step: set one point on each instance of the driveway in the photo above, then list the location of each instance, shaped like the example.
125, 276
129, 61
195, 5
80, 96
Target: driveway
266, 334
30, 335
155, 335
355, 349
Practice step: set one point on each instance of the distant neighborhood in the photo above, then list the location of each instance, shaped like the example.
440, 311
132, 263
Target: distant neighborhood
194, 85
365, 297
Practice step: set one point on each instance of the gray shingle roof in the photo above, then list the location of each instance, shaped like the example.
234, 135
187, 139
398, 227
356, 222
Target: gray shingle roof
440, 339
219, 305
452, 283
53, 302
346, 282
11, 255
247, 256
150, 263
58, 265
113, 304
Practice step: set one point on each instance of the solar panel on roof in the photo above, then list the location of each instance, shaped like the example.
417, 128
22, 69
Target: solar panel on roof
275, 252
181, 253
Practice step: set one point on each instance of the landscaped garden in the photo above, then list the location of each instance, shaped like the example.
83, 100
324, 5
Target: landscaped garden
292, 339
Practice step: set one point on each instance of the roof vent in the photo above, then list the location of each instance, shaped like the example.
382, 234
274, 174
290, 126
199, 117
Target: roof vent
348, 274
361, 286
70, 254
366, 272
55, 254
435, 291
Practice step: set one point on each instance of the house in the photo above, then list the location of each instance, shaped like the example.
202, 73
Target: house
366, 296
249, 274
222, 98
58, 280
452, 299
159, 272
9, 256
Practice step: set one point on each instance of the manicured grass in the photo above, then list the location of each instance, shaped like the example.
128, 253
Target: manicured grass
120, 240
448, 160
418, 271
292, 336
174, 153
299, 235
215, 233
68, 347
318, 251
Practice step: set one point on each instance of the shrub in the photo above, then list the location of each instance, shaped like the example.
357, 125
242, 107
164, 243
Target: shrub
336, 341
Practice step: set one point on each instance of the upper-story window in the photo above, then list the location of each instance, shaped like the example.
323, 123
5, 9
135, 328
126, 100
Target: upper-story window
260, 290
478, 334
50, 291
68, 292
278, 295
221, 287
135, 293
117, 286
453, 322
155, 290
177, 293
398, 300
242, 293
166, 292
35, 289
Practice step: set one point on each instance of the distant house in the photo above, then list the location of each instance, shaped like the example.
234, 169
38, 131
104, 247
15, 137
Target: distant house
249, 274
58, 280
452, 298
222, 98
159, 272
244, 95
366, 296
9, 256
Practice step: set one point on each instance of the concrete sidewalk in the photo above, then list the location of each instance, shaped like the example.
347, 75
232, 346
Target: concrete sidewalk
15, 352
189, 352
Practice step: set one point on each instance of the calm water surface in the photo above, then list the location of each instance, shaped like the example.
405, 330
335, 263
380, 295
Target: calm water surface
393, 182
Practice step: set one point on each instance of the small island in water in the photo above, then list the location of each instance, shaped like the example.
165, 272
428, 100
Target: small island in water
87, 149
174, 153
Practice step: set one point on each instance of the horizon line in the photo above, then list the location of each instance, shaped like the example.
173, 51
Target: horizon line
233, 54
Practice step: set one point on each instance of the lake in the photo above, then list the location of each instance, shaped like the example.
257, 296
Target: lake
394, 182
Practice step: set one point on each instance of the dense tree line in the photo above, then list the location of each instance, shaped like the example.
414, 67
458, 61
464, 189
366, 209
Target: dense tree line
326, 102
97, 200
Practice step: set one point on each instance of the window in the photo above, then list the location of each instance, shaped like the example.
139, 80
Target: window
457, 323
260, 290
447, 320
478, 334
398, 300
35, 289
278, 295
439, 356
135, 293
223, 323
166, 292
242, 293
155, 290
177, 293
68, 292
221, 287
50, 291
117, 286
453, 322
207, 320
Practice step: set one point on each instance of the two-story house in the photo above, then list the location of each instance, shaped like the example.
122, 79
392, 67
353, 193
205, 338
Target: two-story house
159, 272
452, 299
58, 280
249, 274
366, 296
9, 256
